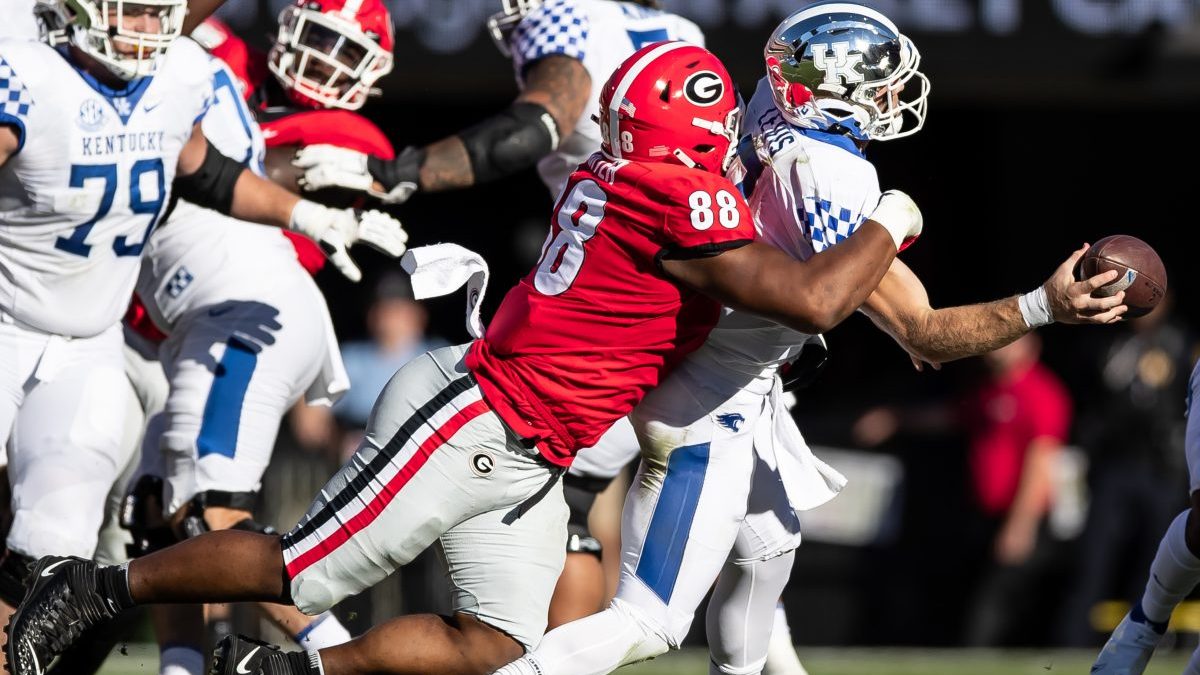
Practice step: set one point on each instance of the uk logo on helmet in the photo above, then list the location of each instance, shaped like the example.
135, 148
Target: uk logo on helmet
842, 67
704, 88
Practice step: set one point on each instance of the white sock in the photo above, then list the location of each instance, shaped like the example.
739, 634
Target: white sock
324, 631
597, 644
181, 661
781, 653
1173, 574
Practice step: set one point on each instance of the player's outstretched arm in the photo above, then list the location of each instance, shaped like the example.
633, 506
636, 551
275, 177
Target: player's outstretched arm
556, 92
811, 296
210, 179
901, 308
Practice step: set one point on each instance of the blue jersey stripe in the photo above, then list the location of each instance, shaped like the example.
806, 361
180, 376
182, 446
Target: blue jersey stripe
223, 410
662, 554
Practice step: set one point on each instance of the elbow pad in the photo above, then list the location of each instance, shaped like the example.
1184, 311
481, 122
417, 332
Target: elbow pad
512, 140
211, 186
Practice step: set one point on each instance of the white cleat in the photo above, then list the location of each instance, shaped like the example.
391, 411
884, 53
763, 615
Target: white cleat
1128, 650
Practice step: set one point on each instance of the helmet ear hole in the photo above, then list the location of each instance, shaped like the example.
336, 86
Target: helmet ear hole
666, 93
705, 148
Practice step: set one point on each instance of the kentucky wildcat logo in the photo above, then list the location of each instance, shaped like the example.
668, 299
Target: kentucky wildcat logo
730, 420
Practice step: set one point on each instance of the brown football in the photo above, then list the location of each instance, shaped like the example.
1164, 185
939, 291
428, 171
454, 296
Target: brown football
1143, 277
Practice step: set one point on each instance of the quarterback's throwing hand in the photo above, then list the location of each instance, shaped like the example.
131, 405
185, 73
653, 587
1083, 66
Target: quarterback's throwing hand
1071, 301
337, 230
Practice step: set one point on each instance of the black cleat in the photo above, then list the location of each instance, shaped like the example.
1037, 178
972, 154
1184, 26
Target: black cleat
62, 602
240, 655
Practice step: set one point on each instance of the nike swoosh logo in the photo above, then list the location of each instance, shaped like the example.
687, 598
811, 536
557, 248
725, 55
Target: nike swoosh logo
218, 311
50, 570
37, 667
241, 667
151, 106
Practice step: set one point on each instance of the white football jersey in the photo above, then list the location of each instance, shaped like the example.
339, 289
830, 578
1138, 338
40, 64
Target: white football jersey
200, 257
89, 182
815, 189
601, 34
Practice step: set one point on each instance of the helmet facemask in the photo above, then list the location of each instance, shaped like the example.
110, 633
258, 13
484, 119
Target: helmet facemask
501, 24
325, 61
125, 36
894, 101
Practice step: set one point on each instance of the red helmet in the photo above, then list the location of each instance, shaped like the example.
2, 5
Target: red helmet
671, 100
328, 53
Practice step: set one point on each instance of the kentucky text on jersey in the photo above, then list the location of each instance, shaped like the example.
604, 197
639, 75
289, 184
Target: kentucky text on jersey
133, 141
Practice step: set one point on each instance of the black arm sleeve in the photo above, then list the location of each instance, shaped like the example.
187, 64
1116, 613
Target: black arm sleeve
501, 145
512, 140
212, 184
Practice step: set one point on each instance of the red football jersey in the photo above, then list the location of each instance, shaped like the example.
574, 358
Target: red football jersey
581, 339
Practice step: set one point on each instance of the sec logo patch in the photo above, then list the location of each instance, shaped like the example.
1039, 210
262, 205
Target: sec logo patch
483, 464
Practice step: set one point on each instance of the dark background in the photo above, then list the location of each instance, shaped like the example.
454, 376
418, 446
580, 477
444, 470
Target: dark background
1051, 123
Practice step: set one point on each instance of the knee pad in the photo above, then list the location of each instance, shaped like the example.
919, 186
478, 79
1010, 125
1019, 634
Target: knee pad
195, 525
14, 577
580, 493
141, 514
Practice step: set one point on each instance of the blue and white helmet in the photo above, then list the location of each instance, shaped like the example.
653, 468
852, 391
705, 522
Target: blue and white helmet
845, 65
126, 36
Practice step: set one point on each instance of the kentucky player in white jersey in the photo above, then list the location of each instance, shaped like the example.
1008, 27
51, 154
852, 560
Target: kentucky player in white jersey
93, 134
229, 293
562, 52
704, 506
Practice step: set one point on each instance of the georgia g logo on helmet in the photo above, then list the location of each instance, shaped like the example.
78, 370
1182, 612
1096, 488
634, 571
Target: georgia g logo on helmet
704, 88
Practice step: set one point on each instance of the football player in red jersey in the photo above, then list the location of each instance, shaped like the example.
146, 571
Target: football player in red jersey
466, 444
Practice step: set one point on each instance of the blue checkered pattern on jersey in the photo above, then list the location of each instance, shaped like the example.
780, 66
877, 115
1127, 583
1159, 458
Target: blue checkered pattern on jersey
15, 100
556, 27
828, 224
179, 282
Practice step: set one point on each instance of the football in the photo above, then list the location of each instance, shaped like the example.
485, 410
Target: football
1143, 277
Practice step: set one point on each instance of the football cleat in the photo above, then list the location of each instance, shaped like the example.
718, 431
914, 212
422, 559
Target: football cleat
62, 602
1128, 650
240, 655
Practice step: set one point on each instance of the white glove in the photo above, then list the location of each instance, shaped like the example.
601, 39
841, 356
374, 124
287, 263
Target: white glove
900, 216
327, 166
336, 230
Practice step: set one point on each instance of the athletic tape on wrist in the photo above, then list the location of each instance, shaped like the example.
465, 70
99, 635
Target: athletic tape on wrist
1035, 308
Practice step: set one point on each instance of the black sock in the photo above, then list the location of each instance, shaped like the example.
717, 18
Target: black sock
114, 585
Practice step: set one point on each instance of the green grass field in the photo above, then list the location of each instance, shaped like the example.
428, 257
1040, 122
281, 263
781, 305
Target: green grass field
141, 660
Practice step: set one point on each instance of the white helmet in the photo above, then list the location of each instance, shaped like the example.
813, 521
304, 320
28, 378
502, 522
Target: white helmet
126, 36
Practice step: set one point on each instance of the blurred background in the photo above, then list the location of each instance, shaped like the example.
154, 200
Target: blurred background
1051, 123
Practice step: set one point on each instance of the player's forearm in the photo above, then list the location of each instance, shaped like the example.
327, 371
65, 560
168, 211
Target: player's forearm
446, 166
258, 200
198, 11
951, 333
811, 296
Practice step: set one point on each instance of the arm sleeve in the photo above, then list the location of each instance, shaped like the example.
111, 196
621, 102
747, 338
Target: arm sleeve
556, 27
15, 101
703, 215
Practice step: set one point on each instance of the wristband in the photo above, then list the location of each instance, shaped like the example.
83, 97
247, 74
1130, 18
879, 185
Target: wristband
1035, 308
